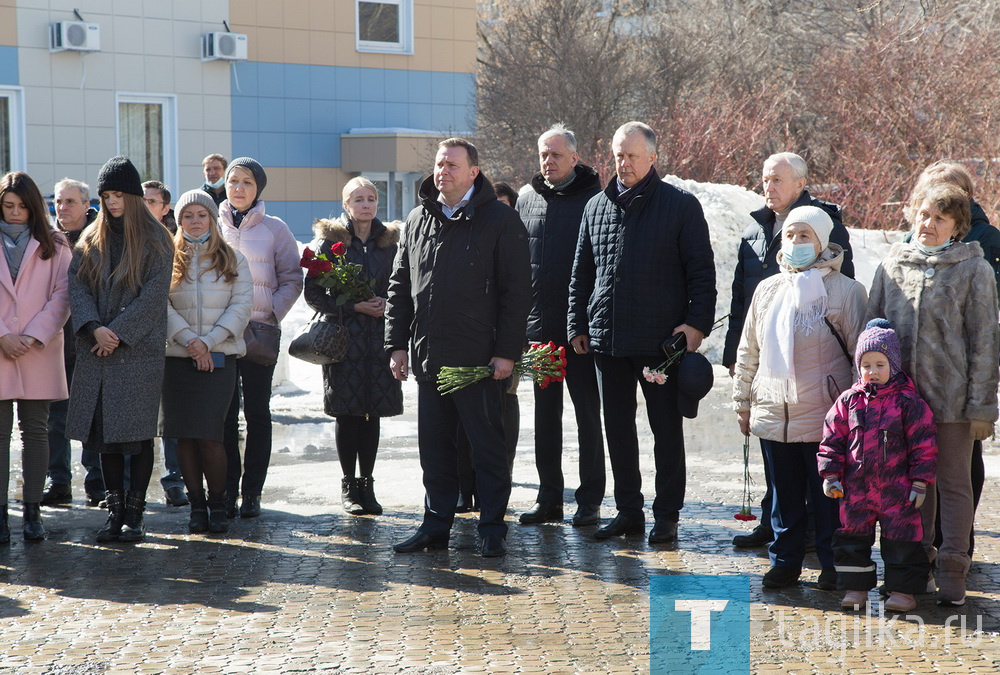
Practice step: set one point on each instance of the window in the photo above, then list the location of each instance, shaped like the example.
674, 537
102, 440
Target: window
405, 193
147, 135
384, 26
12, 148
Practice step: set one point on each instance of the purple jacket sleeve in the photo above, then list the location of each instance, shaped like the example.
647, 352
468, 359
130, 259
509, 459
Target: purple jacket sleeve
836, 435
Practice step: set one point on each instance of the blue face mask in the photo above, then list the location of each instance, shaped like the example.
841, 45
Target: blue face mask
931, 250
197, 240
798, 255
217, 184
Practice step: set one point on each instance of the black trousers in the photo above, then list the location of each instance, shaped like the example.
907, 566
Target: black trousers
254, 390
617, 376
511, 429
479, 409
906, 565
581, 381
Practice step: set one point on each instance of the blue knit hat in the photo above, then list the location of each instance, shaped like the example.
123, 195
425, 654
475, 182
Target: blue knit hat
878, 336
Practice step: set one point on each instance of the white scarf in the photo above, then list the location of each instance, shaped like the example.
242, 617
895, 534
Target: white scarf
798, 306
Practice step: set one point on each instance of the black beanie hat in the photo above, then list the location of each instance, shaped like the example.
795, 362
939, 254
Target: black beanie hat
119, 175
254, 167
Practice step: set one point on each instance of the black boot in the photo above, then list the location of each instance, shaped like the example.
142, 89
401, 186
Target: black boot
112, 529
33, 529
4, 527
199, 512
217, 521
366, 496
231, 510
134, 529
349, 496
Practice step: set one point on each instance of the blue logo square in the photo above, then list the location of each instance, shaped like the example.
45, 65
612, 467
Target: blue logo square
700, 623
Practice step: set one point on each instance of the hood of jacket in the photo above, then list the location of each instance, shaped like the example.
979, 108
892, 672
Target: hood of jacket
342, 229
899, 383
586, 179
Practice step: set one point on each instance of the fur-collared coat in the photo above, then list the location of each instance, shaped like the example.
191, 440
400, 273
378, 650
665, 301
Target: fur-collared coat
362, 383
944, 310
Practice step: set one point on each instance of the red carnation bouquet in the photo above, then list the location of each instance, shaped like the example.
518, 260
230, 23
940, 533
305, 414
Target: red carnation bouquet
543, 363
345, 280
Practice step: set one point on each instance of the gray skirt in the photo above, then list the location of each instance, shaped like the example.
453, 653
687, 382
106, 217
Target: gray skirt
195, 402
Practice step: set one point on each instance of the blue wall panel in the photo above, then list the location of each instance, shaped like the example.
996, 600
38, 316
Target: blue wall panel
300, 215
8, 66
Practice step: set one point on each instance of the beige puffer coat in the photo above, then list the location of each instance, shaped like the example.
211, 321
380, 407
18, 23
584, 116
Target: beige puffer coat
822, 371
206, 306
944, 309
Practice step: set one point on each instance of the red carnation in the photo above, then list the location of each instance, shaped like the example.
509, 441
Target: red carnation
340, 248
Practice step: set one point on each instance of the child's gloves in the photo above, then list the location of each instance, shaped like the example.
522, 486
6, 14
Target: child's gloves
833, 488
918, 492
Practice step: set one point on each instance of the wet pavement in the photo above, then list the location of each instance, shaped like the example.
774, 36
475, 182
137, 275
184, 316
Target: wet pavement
308, 589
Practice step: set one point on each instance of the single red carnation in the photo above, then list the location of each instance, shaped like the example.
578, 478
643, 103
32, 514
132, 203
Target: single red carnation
340, 248
745, 516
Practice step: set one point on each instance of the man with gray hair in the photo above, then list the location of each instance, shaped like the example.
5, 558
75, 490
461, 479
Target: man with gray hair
551, 211
784, 184
644, 273
73, 215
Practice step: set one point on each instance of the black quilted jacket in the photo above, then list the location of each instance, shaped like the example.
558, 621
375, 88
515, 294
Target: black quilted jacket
641, 272
553, 221
361, 384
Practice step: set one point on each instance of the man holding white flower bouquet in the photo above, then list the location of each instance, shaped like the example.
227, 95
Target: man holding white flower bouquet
459, 297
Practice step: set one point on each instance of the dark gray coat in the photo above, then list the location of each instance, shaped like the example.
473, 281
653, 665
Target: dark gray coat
362, 383
129, 381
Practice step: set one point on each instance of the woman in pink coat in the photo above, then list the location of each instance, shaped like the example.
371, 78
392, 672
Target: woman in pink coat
34, 306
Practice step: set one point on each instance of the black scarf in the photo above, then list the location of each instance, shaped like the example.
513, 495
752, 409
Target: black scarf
627, 195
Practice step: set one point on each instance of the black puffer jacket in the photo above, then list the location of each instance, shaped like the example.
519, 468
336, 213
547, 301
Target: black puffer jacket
361, 384
553, 222
758, 259
461, 287
641, 272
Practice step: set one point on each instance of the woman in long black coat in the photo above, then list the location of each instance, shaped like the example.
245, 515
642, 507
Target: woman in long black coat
359, 390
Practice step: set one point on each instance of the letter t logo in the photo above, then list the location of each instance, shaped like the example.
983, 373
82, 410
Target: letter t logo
701, 620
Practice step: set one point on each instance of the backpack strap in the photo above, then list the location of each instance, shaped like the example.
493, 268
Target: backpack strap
840, 341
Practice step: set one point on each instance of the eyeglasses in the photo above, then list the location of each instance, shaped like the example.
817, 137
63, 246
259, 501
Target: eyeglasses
153, 202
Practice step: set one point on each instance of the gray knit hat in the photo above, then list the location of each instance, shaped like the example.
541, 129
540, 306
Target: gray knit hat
254, 167
199, 197
119, 175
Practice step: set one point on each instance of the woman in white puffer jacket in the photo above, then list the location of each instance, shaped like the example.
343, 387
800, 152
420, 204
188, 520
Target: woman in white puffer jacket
793, 362
211, 297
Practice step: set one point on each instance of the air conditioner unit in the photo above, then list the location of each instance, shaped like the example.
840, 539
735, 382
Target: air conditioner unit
77, 36
220, 45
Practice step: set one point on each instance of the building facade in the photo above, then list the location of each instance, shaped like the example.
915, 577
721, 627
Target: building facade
325, 90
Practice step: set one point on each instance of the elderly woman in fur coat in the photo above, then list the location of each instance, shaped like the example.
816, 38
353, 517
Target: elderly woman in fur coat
940, 295
359, 390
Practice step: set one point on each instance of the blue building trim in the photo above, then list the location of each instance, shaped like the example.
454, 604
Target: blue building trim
299, 216
8, 66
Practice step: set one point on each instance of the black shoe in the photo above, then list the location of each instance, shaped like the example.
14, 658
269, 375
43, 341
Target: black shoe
198, 522
57, 493
366, 496
587, 514
133, 528
175, 496
4, 527
762, 535
622, 525
419, 542
250, 506
112, 529
493, 546
663, 531
349, 496
466, 503
779, 577
542, 513
231, 509
33, 529
218, 522
97, 498
827, 580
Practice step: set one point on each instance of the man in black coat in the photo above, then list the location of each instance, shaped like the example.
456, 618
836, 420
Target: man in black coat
784, 184
644, 271
459, 295
551, 211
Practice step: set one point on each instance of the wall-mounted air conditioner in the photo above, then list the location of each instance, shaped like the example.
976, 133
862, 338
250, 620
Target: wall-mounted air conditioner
221, 45
77, 36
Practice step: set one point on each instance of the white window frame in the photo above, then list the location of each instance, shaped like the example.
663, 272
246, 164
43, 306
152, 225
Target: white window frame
18, 129
168, 102
405, 44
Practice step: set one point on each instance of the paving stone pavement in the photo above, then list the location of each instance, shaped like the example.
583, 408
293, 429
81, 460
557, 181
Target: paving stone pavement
308, 589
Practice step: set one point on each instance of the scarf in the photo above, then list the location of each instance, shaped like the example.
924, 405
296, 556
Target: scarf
15, 243
627, 195
238, 216
799, 305
564, 183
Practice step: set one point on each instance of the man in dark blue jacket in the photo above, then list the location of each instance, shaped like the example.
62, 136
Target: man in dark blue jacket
643, 271
459, 296
784, 184
552, 210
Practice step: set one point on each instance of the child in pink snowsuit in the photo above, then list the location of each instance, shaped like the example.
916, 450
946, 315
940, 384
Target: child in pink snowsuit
879, 454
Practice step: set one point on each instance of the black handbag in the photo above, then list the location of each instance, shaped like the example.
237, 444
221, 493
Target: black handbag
320, 341
263, 341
